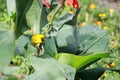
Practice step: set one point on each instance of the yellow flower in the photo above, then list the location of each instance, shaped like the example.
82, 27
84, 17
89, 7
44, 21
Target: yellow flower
112, 64
105, 27
37, 39
111, 11
102, 15
99, 23
92, 6
19, 62
114, 45
83, 24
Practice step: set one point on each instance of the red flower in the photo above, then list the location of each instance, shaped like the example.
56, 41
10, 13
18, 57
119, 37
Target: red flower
46, 3
74, 3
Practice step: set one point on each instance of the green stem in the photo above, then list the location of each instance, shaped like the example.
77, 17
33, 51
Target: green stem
49, 25
57, 10
47, 28
93, 43
54, 14
103, 21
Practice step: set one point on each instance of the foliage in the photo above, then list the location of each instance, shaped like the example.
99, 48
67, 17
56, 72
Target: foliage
69, 50
9, 43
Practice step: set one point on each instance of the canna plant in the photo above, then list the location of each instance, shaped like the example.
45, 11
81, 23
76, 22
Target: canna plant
53, 46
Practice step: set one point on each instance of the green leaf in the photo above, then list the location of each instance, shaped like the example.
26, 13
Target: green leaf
73, 21
66, 19
40, 3
21, 44
6, 47
24, 46
50, 47
79, 62
87, 35
66, 41
43, 76
10, 7
33, 16
22, 7
50, 69
4, 25
88, 39
30, 49
43, 16
65, 36
11, 70
93, 73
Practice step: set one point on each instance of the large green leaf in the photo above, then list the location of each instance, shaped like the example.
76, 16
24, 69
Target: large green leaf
50, 69
40, 3
66, 41
6, 48
30, 50
50, 47
21, 43
93, 73
43, 76
24, 46
78, 62
43, 16
33, 16
22, 7
11, 70
92, 37
88, 39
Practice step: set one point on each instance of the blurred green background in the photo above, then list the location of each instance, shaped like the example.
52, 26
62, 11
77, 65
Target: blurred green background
113, 29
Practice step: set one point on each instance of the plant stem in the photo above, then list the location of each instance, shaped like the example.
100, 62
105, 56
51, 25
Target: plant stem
93, 43
47, 28
57, 10
49, 25
54, 14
